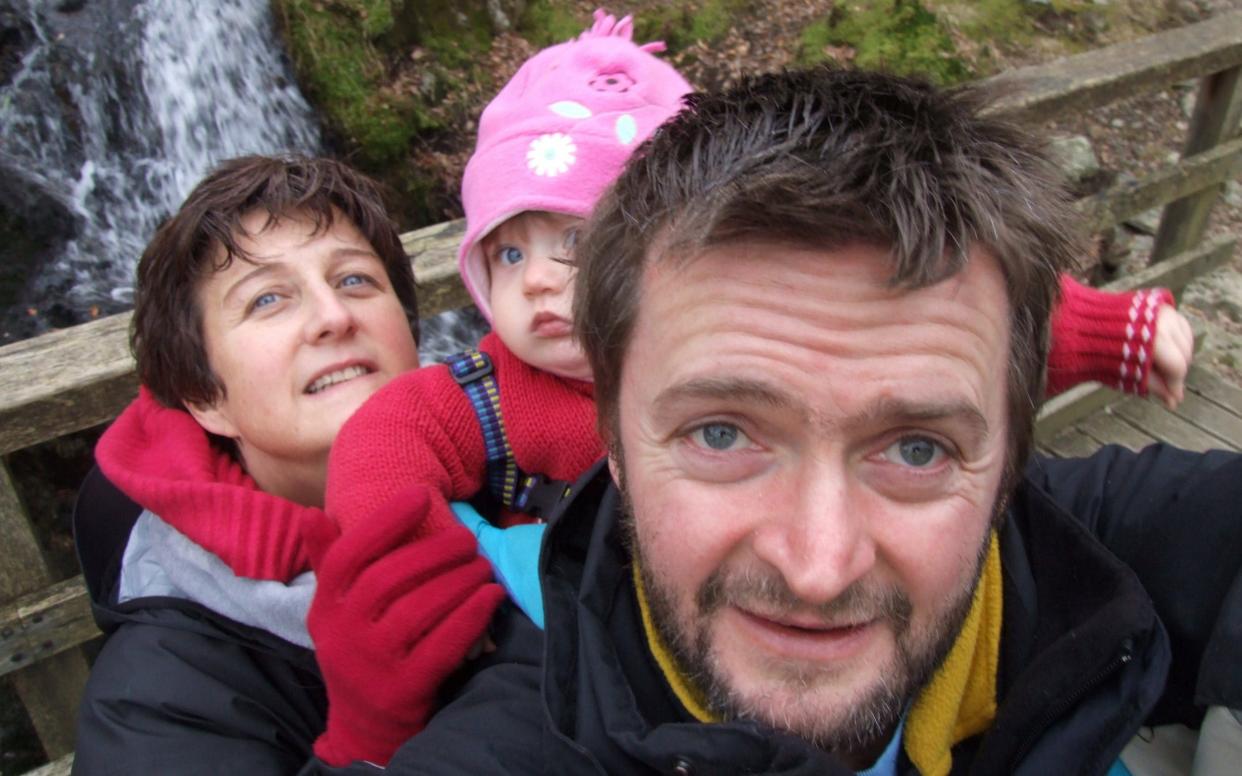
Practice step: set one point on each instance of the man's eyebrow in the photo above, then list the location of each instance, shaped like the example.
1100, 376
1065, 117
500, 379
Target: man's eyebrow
889, 409
706, 388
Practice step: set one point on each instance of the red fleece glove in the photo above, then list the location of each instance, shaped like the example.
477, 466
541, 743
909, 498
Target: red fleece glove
1103, 335
392, 617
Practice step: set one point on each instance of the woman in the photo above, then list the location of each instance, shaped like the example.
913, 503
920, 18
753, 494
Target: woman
267, 309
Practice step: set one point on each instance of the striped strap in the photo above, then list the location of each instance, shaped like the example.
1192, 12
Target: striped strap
473, 372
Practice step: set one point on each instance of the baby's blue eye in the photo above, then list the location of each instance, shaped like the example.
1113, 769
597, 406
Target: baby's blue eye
509, 255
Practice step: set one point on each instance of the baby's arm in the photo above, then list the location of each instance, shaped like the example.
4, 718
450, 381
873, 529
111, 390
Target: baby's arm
420, 428
1134, 341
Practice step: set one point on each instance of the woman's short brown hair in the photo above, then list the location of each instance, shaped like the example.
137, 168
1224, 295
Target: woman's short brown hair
202, 238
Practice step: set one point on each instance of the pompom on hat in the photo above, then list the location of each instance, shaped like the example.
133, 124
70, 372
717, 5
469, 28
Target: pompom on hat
561, 131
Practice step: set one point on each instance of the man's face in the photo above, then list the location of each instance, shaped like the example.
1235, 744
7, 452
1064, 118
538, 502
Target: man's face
811, 460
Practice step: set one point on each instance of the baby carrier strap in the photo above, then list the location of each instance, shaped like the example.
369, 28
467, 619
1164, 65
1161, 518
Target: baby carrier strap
532, 494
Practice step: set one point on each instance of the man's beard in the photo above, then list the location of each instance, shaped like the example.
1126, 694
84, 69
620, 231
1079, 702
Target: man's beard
864, 722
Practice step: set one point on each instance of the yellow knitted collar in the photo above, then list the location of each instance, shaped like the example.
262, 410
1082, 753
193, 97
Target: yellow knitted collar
958, 702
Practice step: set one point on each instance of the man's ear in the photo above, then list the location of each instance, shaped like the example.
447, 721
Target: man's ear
213, 417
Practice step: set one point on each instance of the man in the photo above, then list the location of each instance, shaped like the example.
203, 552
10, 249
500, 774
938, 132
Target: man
816, 308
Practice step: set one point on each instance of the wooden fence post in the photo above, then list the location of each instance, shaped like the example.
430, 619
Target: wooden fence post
50, 689
1218, 109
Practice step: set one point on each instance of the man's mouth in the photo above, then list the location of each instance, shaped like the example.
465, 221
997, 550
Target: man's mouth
807, 638
337, 376
550, 325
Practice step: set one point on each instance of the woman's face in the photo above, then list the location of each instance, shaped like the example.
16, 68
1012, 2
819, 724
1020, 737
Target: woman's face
299, 338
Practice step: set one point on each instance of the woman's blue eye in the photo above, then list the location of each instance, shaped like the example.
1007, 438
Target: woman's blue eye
263, 300
354, 280
509, 255
917, 452
718, 436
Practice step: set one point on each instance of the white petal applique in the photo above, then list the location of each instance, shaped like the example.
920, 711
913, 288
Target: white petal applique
626, 129
551, 155
570, 109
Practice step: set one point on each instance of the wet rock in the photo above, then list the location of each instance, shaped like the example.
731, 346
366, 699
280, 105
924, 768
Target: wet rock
1075, 156
16, 38
1233, 194
1220, 292
1146, 222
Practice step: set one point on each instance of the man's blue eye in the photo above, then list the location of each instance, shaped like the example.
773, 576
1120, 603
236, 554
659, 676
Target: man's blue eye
917, 451
719, 436
510, 255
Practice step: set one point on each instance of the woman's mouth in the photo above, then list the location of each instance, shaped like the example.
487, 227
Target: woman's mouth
337, 376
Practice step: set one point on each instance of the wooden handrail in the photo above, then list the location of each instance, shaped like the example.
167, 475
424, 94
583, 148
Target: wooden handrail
1079, 83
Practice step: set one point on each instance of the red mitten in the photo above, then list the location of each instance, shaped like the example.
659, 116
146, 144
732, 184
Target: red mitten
1103, 335
393, 616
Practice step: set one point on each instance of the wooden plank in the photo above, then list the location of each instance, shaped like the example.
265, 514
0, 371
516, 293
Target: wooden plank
1165, 426
1108, 429
1061, 412
1177, 272
50, 689
1216, 389
1071, 443
1040, 93
434, 252
1212, 418
61, 767
1215, 120
45, 623
1203, 172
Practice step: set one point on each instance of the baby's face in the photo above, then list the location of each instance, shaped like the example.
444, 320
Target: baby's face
532, 291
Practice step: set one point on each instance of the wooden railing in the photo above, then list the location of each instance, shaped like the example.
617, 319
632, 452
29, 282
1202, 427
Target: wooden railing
77, 378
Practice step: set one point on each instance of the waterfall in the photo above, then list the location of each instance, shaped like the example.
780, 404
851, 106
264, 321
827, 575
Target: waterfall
114, 111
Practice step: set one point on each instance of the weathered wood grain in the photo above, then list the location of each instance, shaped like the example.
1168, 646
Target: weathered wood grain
1212, 418
1215, 389
1177, 271
1198, 174
1042, 92
1108, 429
1071, 443
45, 623
1215, 120
49, 689
1166, 426
60, 767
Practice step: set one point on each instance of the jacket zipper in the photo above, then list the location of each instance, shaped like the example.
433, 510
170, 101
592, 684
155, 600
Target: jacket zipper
1070, 700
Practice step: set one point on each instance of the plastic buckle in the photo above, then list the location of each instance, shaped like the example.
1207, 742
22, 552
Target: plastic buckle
477, 373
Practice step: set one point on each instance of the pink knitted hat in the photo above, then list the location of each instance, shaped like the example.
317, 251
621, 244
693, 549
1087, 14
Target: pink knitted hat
560, 131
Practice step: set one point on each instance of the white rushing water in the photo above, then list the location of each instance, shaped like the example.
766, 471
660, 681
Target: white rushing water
121, 106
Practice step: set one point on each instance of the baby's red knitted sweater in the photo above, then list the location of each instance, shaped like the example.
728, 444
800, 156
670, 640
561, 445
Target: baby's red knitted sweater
421, 427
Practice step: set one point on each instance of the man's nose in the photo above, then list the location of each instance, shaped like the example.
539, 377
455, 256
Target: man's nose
544, 274
822, 542
327, 314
